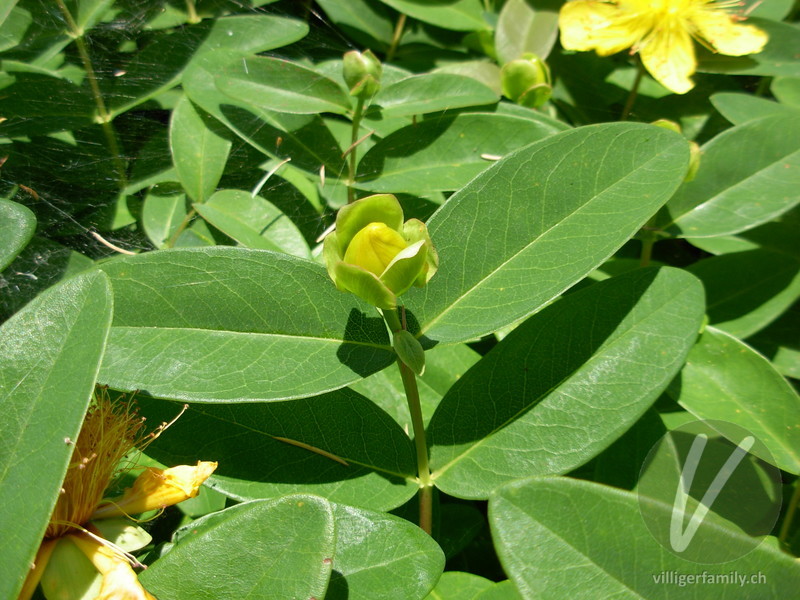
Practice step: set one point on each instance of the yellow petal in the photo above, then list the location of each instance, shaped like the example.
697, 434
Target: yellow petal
119, 579
727, 36
157, 488
591, 25
668, 55
374, 247
121, 583
35, 574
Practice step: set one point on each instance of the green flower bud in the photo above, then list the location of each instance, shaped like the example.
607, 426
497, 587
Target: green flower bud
527, 81
667, 124
362, 73
694, 149
694, 161
374, 255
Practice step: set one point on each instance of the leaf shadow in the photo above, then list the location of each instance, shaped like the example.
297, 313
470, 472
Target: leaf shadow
533, 361
324, 439
359, 351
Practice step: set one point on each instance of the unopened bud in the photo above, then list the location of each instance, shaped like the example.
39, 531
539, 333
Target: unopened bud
362, 73
527, 81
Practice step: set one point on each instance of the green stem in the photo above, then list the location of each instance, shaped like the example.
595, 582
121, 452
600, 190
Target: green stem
398, 33
103, 115
353, 150
412, 396
634, 91
191, 12
170, 243
789, 516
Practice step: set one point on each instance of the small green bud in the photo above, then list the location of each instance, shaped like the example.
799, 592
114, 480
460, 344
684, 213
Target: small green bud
694, 149
527, 81
409, 350
374, 255
362, 73
694, 161
667, 124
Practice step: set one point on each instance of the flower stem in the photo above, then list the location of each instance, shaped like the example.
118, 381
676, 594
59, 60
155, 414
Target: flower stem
170, 243
634, 91
414, 408
191, 12
648, 237
104, 117
398, 33
359, 112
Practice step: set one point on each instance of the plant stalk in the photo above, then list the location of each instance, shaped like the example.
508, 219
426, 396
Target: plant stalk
353, 158
634, 92
417, 423
398, 33
103, 115
170, 243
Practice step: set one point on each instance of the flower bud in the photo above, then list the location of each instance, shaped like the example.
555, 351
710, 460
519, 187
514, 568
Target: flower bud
362, 73
374, 255
694, 161
527, 81
667, 124
694, 149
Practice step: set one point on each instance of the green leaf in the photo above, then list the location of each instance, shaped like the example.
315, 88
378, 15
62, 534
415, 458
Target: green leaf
540, 530
745, 291
17, 224
461, 15
455, 585
549, 397
367, 22
741, 108
381, 555
174, 51
778, 58
338, 445
432, 92
13, 25
233, 324
748, 175
538, 221
281, 85
443, 154
200, 147
522, 28
503, 590
163, 210
303, 138
50, 356
284, 547
725, 379
787, 90
89, 13
253, 222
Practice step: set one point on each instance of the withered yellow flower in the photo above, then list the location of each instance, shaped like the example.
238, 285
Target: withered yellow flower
110, 432
660, 31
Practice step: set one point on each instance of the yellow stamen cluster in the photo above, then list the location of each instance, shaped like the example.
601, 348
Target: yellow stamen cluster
110, 431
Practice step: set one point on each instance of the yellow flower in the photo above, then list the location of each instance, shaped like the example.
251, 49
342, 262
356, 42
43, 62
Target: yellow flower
661, 31
109, 433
